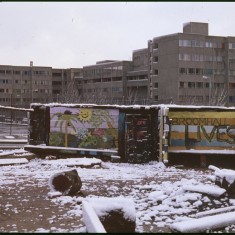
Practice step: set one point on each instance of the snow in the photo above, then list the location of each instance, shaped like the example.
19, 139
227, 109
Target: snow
207, 189
79, 162
151, 193
228, 174
11, 161
102, 205
91, 220
205, 223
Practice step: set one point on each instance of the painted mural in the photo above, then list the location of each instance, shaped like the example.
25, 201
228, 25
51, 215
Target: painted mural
201, 130
84, 127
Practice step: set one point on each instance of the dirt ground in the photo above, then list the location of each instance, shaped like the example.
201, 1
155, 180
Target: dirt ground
25, 206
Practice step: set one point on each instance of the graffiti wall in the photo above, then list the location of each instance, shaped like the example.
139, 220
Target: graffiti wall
201, 130
83, 127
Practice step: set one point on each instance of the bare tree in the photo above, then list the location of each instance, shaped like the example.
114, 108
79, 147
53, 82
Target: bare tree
70, 93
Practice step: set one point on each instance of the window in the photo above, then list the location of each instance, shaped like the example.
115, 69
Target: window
199, 84
155, 45
156, 71
185, 43
198, 71
231, 98
191, 84
117, 89
155, 85
183, 70
16, 72
183, 85
231, 45
208, 58
155, 59
231, 85
187, 57
209, 44
195, 57
208, 71
196, 43
191, 71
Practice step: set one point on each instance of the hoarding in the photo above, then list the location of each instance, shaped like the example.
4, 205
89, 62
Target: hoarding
84, 127
204, 129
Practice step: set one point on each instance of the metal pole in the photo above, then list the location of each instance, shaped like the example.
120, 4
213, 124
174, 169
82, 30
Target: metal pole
11, 115
210, 92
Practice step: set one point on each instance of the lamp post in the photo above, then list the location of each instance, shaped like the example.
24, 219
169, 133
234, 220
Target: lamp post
11, 115
210, 87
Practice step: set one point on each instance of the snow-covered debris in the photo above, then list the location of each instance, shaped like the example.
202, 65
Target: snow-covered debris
91, 220
71, 162
116, 214
12, 161
204, 223
103, 205
54, 194
67, 182
227, 174
205, 189
214, 211
224, 178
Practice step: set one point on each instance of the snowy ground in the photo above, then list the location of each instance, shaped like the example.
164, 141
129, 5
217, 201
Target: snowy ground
159, 192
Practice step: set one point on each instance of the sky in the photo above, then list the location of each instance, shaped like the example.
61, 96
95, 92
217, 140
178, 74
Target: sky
77, 34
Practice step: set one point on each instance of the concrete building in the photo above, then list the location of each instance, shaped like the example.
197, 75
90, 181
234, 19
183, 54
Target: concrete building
65, 85
192, 67
22, 85
105, 82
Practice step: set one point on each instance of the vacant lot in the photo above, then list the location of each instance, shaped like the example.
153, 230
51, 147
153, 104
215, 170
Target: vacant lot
157, 191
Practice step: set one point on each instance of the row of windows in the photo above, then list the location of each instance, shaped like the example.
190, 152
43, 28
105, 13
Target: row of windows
134, 78
36, 72
191, 98
24, 91
100, 71
37, 82
199, 43
113, 89
109, 79
197, 57
200, 71
200, 85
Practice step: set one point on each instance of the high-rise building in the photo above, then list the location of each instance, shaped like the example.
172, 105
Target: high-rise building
192, 67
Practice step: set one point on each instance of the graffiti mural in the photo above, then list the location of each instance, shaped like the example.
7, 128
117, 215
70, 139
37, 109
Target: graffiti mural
202, 130
83, 127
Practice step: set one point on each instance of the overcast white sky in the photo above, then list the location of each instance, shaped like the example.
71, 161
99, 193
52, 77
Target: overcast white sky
76, 34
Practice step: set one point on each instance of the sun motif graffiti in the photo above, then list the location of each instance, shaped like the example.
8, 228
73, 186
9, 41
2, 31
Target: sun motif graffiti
85, 115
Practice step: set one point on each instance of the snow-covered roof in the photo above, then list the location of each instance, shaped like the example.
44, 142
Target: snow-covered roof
169, 106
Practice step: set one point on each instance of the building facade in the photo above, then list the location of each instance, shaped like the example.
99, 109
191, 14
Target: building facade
22, 85
192, 67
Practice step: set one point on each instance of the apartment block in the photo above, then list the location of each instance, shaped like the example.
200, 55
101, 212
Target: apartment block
22, 85
192, 67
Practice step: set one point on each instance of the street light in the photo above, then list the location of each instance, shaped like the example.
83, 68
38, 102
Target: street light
210, 87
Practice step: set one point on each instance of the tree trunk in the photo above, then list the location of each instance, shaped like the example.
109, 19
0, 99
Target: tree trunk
68, 183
